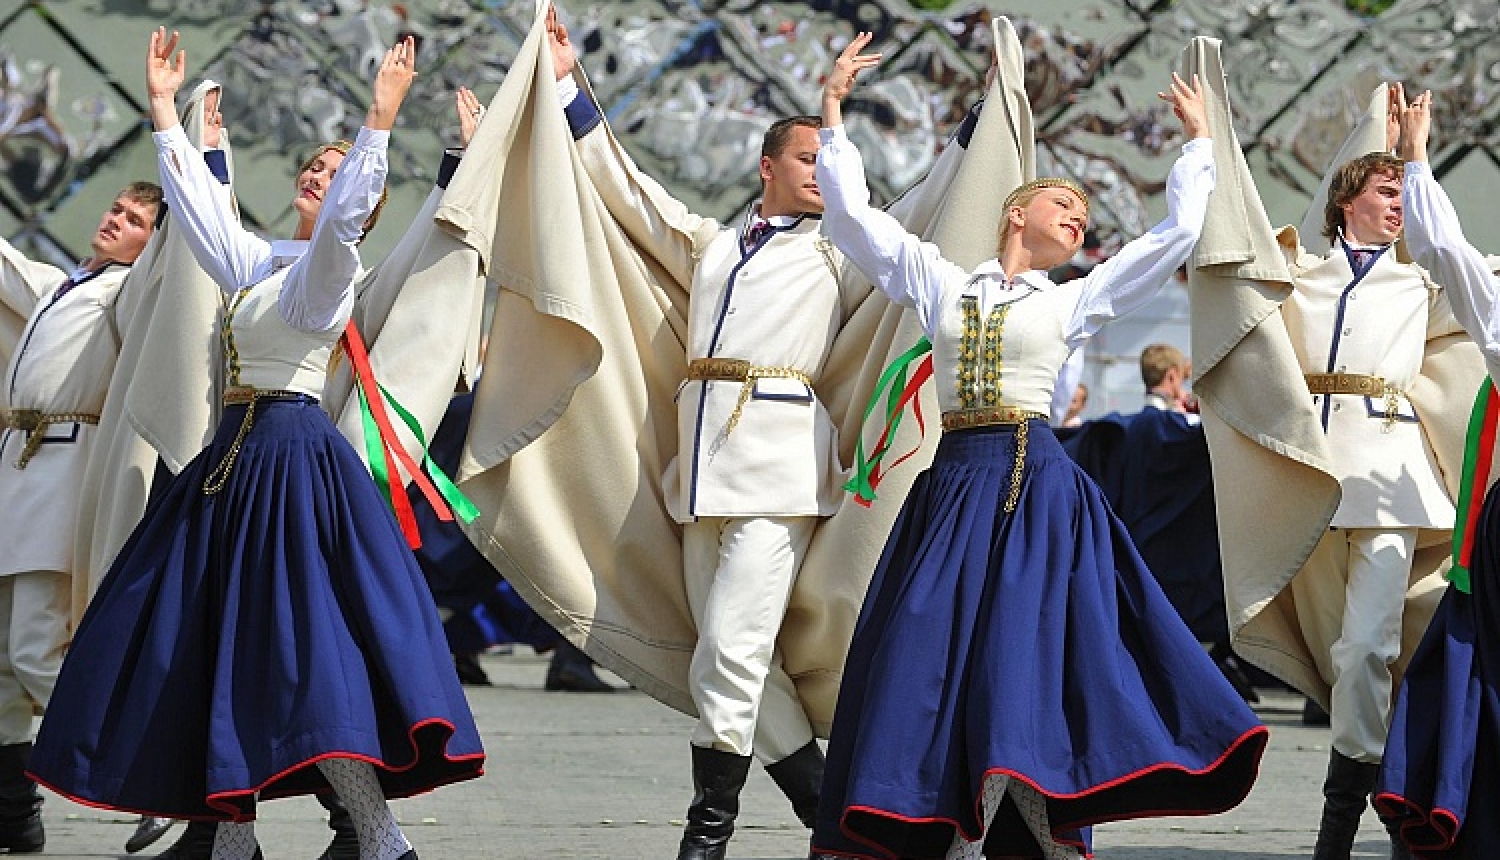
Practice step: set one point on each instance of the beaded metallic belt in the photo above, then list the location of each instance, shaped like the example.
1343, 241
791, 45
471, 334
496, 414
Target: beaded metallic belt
740, 370
1345, 383
236, 396
1358, 383
34, 423
986, 416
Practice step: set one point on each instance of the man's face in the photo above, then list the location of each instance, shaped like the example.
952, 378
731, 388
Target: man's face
788, 176
312, 183
1373, 217
1053, 226
124, 230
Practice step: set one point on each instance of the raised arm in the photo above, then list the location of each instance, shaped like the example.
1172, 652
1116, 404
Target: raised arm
1137, 273
1436, 239
200, 204
654, 220
24, 281
910, 272
318, 294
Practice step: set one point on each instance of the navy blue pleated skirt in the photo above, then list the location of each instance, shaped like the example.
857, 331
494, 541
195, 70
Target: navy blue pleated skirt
242, 636
1034, 644
1440, 778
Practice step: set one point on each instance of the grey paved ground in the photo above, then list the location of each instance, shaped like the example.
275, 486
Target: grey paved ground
606, 776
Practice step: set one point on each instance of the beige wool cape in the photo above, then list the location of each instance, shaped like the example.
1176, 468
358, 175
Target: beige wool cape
419, 312
574, 419
1273, 478
166, 319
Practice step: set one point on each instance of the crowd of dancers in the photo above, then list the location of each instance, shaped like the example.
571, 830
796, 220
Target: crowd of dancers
684, 448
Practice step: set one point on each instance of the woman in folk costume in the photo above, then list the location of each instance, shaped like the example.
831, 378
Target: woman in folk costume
1010, 620
1440, 779
278, 635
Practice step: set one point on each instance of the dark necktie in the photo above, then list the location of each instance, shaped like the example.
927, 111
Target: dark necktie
757, 231
1362, 258
63, 289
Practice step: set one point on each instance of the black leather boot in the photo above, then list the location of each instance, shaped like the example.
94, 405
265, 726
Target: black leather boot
799, 776
20, 803
147, 830
572, 671
1399, 851
717, 780
195, 843
345, 844
1346, 790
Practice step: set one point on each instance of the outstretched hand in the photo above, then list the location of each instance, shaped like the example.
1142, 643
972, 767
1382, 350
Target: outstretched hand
1416, 127
164, 76
840, 81
397, 71
1188, 104
564, 57
470, 112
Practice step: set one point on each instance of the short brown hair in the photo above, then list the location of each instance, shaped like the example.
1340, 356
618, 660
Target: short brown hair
144, 193
1156, 360
779, 135
1349, 182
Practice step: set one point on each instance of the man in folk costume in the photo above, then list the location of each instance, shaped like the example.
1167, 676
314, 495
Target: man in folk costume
58, 369
577, 417
1343, 365
757, 463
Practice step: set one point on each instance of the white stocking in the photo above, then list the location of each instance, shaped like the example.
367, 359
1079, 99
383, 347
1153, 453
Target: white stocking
991, 794
1033, 807
234, 841
380, 837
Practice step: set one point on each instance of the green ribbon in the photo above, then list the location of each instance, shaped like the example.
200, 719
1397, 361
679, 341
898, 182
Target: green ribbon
462, 507
892, 382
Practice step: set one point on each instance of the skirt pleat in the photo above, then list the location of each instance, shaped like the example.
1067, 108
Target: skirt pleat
1440, 777
1035, 644
242, 636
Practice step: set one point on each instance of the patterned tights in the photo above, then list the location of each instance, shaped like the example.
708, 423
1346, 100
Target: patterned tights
1033, 807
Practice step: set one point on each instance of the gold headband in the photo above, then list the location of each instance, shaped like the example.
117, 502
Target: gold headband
1047, 182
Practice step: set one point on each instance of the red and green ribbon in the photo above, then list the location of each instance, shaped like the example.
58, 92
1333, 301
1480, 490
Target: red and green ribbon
896, 391
1479, 449
385, 453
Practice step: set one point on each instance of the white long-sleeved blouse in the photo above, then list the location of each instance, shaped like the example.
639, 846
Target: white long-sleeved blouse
1037, 323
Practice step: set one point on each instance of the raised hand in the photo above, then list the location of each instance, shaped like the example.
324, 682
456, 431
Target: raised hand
397, 70
1187, 103
1395, 107
1416, 127
564, 57
164, 76
470, 112
840, 81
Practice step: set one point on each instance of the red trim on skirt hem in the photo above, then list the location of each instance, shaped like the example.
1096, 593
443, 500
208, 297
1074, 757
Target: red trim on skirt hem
1258, 731
218, 800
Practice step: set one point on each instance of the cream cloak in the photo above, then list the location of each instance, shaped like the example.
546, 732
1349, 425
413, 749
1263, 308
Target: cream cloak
1273, 476
574, 419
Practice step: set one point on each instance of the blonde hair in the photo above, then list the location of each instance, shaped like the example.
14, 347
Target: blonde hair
1027, 192
342, 147
1156, 360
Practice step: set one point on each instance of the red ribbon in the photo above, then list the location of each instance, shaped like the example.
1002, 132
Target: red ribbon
390, 443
